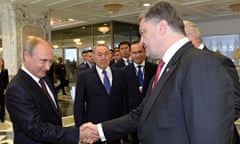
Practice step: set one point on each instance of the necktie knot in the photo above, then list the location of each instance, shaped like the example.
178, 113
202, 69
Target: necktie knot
104, 72
158, 72
41, 81
127, 61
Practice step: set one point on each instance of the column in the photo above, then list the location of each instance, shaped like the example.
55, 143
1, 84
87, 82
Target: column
17, 23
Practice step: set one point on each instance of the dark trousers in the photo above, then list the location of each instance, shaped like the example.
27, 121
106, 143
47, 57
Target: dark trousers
2, 107
61, 85
134, 139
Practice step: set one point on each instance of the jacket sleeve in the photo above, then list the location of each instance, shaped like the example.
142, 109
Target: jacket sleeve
79, 102
26, 118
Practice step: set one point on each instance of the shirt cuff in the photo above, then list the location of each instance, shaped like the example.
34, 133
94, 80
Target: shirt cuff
100, 131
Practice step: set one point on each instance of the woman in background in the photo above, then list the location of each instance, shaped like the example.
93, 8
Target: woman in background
3, 85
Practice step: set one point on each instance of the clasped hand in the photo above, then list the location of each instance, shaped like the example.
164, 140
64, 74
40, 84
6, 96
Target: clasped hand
88, 133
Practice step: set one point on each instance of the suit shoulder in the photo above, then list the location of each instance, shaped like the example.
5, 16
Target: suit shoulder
151, 64
119, 64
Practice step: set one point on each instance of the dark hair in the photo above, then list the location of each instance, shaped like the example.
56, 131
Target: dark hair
90, 50
136, 42
163, 11
83, 52
123, 43
3, 66
115, 50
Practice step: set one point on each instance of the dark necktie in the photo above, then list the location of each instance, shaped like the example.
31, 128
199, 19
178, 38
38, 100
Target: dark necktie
128, 62
42, 83
106, 82
159, 68
140, 75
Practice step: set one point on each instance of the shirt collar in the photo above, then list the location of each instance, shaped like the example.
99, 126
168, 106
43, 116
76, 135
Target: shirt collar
173, 49
99, 70
201, 46
36, 79
142, 64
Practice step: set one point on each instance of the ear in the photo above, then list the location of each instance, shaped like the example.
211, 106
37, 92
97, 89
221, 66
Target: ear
26, 56
163, 26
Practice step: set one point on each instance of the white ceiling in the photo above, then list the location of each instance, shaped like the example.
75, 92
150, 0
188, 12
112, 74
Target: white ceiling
92, 11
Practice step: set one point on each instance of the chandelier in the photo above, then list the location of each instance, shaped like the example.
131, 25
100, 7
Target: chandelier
113, 7
235, 7
104, 29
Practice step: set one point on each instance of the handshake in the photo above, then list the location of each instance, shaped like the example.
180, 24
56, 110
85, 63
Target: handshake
88, 133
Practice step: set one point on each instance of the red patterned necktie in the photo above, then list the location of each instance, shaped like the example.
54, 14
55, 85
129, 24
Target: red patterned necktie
42, 83
159, 68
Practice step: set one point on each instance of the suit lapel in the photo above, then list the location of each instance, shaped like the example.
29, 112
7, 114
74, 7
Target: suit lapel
96, 78
170, 68
146, 71
53, 92
38, 90
133, 72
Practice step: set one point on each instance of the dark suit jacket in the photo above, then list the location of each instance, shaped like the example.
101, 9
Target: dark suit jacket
100, 106
3, 85
192, 104
232, 71
120, 64
135, 97
34, 119
3, 80
83, 67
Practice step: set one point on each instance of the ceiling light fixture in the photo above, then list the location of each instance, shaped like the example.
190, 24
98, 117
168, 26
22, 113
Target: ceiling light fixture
79, 43
104, 29
146, 4
113, 8
235, 7
76, 40
55, 46
101, 42
70, 19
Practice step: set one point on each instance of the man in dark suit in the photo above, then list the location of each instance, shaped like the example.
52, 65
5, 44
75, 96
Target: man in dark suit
93, 101
116, 56
137, 86
60, 71
180, 107
31, 100
138, 75
124, 49
3, 85
88, 64
194, 35
84, 57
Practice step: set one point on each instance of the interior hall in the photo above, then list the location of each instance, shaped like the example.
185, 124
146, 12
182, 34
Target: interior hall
74, 27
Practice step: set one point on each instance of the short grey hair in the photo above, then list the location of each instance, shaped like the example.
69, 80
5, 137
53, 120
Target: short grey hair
32, 42
163, 11
97, 45
196, 30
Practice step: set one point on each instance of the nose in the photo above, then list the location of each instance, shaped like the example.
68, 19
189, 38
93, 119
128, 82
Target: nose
141, 41
48, 65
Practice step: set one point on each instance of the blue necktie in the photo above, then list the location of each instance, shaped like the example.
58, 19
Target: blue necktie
106, 82
140, 75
